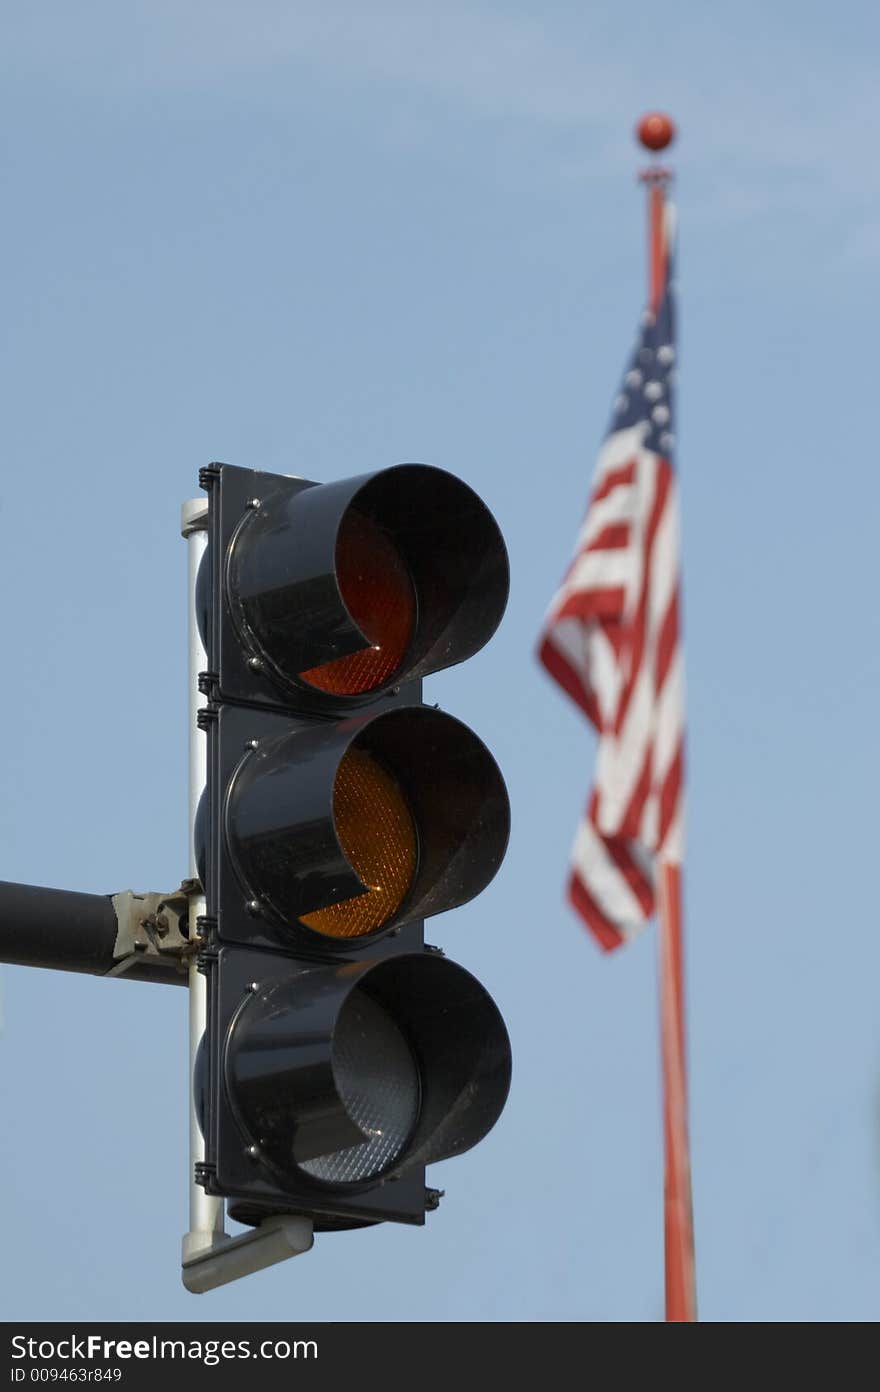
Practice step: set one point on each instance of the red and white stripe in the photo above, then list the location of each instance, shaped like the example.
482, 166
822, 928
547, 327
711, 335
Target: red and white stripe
612, 641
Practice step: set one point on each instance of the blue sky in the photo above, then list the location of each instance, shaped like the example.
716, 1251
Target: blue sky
325, 237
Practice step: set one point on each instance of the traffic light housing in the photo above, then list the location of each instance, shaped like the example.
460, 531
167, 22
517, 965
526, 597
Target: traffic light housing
341, 1054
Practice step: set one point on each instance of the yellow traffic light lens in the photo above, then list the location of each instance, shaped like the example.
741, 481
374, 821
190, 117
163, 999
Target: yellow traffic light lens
378, 593
377, 834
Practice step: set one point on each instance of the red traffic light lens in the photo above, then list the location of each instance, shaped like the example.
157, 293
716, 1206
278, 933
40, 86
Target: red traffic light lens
377, 834
377, 590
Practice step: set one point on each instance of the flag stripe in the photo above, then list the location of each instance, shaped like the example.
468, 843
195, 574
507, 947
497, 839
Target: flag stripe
632, 873
616, 881
569, 679
640, 622
614, 478
670, 793
667, 642
612, 537
594, 604
614, 507
603, 929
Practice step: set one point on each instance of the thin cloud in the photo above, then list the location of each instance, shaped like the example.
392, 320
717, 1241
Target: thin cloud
768, 127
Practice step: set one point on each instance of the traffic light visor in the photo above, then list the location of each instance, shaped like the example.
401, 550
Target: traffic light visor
344, 589
343, 1074
343, 830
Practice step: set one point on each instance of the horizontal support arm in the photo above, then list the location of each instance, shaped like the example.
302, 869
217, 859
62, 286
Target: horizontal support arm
104, 935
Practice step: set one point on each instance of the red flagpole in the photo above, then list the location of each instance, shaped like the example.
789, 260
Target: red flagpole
656, 132
681, 1293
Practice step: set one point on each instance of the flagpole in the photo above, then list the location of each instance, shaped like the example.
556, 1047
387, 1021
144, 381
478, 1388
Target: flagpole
655, 132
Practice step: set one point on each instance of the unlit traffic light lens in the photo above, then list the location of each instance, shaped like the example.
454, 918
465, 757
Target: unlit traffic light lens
378, 838
379, 595
378, 1084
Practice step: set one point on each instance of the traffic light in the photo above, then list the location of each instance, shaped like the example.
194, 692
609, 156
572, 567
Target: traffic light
342, 1054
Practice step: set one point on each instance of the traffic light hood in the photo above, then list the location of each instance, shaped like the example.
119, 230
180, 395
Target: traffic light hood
345, 1074
429, 809
345, 589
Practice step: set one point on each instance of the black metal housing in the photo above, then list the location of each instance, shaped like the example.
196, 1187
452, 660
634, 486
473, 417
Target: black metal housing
271, 609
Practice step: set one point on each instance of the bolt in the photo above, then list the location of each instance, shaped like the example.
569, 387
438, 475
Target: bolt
253, 987
253, 906
253, 502
252, 1152
255, 664
252, 744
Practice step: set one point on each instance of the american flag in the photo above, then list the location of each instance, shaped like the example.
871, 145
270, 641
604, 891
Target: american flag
612, 642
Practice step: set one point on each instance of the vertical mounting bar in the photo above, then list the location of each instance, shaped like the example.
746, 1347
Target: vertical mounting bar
209, 1256
206, 1213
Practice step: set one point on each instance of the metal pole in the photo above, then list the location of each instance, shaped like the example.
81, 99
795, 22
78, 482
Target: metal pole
680, 1278
656, 132
681, 1287
206, 1213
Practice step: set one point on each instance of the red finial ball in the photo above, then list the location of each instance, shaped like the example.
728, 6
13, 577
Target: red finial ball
656, 130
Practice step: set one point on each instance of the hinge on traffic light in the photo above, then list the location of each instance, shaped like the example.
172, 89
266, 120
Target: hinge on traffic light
207, 714
150, 931
208, 682
206, 927
206, 960
208, 475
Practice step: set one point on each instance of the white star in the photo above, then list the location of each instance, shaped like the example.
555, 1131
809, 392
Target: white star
666, 354
621, 404
653, 391
667, 440
660, 415
633, 378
